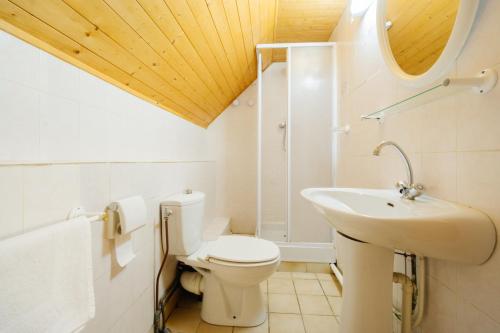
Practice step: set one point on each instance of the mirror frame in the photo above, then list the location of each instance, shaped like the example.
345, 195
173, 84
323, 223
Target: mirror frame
463, 23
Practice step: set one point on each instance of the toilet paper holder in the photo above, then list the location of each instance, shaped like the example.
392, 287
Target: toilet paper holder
112, 222
110, 217
134, 215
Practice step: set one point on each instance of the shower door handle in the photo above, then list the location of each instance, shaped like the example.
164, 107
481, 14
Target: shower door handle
282, 126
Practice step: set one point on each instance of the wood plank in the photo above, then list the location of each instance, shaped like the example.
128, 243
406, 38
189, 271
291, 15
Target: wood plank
306, 21
200, 10
189, 24
113, 26
246, 27
222, 25
233, 19
202, 63
22, 24
185, 19
138, 19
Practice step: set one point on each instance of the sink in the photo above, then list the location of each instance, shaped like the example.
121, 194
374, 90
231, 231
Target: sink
425, 226
374, 223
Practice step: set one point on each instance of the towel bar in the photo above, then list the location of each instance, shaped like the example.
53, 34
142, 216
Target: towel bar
92, 216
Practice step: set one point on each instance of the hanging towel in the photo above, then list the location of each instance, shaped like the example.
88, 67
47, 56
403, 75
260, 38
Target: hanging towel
46, 282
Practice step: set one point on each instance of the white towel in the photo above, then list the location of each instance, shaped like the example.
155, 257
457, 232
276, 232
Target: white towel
46, 282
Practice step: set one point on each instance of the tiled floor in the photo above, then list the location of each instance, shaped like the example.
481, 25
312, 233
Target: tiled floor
297, 303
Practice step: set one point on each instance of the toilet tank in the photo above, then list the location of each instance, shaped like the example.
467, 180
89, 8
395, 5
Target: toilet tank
185, 224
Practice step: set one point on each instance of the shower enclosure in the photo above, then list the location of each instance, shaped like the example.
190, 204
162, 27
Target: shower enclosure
296, 116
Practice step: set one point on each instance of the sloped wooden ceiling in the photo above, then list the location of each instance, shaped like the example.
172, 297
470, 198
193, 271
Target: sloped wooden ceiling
190, 57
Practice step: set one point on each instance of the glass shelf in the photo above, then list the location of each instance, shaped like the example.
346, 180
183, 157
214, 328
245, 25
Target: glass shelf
436, 92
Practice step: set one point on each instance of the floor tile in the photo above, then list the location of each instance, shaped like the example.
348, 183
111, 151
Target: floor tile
320, 324
280, 286
184, 320
281, 275
330, 288
304, 276
285, 323
263, 328
208, 328
336, 304
308, 287
283, 303
314, 305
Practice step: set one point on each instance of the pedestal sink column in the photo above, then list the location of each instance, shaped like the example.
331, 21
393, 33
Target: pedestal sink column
367, 289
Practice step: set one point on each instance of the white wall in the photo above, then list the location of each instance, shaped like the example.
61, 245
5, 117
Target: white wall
454, 145
69, 139
233, 142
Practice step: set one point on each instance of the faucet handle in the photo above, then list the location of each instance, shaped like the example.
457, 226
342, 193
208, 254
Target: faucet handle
419, 187
402, 184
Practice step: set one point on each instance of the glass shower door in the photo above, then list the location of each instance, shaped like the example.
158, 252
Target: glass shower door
274, 128
311, 112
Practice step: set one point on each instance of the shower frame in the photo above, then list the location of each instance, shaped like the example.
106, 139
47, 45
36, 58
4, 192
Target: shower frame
294, 251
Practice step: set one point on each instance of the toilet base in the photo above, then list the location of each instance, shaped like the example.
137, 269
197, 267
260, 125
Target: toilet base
230, 305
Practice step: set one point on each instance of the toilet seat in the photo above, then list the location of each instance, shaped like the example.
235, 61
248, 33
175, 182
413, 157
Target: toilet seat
234, 250
242, 250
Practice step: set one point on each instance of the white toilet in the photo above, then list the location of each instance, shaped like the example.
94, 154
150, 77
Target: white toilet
230, 268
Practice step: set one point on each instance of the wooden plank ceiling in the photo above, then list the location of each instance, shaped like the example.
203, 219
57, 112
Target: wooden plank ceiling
190, 57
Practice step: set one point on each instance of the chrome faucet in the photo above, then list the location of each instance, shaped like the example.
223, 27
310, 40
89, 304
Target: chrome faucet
408, 189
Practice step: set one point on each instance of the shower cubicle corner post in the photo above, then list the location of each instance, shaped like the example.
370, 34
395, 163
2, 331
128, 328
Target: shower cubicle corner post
259, 142
289, 143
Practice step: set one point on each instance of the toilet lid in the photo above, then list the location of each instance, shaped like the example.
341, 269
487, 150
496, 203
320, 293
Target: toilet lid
243, 249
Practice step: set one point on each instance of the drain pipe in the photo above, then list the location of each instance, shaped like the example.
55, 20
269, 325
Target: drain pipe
406, 315
418, 315
193, 282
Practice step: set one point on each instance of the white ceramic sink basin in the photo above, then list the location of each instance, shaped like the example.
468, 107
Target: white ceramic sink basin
425, 226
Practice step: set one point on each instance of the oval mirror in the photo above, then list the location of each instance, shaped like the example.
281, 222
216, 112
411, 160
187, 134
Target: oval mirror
420, 39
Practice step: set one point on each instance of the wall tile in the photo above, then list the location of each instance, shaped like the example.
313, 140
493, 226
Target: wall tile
441, 310
23, 61
19, 122
94, 134
478, 120
95, 186
58, 78
439, 175
480, 51
11, 201
439, 126
50, 192
59, 130
443, 271
471, 319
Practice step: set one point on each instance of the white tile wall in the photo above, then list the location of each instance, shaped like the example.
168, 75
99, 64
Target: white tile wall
108, 145
454, 145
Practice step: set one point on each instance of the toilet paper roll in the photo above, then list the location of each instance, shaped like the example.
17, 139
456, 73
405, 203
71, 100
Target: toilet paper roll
123, 249
132, 215
132, 212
